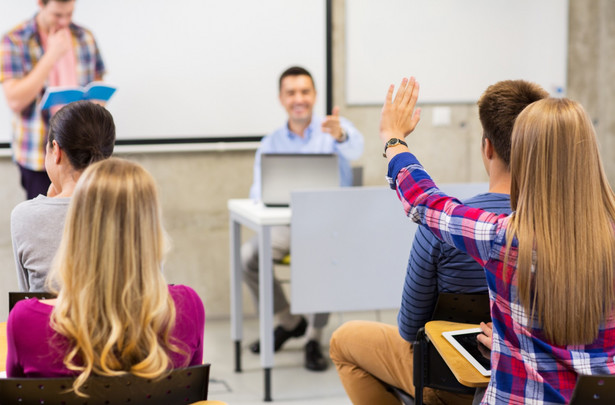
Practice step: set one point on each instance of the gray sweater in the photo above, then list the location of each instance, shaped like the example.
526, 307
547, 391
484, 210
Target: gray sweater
36, 231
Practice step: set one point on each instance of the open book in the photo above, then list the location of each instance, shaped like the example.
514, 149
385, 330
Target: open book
64, 95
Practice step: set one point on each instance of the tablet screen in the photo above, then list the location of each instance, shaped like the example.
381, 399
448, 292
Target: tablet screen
466, 343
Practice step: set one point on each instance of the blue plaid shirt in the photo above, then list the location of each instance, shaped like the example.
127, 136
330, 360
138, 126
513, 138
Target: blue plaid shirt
20, 51
526, 367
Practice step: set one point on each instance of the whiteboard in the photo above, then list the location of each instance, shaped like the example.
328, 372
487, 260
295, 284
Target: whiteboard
454, 48
196, 68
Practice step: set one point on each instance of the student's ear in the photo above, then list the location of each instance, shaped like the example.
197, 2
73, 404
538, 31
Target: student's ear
57, 152
488, 150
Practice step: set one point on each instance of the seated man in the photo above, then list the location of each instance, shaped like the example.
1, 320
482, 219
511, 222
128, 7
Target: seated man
367, 354
302, 133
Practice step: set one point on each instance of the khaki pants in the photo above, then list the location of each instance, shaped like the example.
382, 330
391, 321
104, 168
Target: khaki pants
369, 353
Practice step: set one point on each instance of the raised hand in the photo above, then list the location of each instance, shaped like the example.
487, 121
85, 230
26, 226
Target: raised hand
399, 117
331, 125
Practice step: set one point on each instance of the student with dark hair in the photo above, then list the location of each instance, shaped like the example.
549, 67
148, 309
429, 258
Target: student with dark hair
304, 132
46, 50
80, 133
367, 354
549, 265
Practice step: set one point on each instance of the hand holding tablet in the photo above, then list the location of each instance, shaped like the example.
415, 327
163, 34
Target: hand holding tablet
465, 341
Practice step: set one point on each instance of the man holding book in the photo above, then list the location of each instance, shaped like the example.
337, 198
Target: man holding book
44, 51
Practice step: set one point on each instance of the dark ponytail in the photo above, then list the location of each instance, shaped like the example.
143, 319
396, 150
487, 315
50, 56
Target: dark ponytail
84, 131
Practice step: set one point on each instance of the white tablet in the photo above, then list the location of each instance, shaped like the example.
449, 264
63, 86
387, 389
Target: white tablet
466, 343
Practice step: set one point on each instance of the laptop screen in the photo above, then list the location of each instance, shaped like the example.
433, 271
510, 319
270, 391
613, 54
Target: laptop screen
282, 173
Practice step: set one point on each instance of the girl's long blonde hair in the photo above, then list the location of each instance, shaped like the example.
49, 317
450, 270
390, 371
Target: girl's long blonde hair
113, 303
563, 221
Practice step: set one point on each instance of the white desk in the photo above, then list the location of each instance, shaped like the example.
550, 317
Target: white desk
350, 250
259, 218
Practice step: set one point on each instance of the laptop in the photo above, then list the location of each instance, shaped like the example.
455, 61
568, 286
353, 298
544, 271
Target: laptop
282, 173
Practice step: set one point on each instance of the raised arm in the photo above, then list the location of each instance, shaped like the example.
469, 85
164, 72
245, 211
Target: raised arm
470, 230
399, 116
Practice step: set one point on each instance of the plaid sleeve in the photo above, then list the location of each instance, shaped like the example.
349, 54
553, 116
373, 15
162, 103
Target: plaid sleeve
100, 65
469, 229
11, 59
88, 56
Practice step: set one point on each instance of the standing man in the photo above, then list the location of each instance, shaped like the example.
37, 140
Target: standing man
303, 133
46, 50
369, 355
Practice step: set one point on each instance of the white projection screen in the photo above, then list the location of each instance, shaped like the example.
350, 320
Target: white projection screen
195, 68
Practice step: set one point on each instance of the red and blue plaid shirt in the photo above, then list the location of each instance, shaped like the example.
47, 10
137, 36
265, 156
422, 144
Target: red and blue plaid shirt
20, 51
526, 368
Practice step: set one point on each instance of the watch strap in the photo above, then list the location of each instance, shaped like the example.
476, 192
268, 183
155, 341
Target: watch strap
392, 145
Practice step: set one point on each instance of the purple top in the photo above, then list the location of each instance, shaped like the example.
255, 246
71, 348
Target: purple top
36, 350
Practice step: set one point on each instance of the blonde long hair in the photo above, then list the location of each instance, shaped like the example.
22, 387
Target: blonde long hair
113, 302
563, 221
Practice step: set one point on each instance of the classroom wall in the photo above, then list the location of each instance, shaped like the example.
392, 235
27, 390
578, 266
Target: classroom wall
194, 186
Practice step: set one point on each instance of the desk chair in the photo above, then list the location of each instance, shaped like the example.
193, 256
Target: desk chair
430, 369
594, 389
14, 297
181, 386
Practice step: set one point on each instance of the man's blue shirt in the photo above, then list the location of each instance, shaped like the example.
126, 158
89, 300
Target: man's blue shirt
314, 140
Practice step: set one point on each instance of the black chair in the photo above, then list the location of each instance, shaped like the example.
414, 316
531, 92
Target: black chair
430, 369
181, 386
594, 390
14, 297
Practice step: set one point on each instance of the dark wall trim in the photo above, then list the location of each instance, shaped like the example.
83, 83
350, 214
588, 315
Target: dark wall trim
329, 57
171, 141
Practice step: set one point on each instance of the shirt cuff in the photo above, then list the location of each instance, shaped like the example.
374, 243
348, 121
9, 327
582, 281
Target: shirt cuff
399, 162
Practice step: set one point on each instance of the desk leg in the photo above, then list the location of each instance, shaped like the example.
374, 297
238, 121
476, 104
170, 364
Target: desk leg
266, 305
236, 290
267, 372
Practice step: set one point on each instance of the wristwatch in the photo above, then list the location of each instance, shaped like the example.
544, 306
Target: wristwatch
344, 137
392, 143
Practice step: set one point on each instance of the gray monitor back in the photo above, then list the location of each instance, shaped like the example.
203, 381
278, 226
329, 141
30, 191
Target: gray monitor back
350, 247
283, 173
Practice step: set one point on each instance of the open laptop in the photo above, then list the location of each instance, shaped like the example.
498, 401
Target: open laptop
282, 173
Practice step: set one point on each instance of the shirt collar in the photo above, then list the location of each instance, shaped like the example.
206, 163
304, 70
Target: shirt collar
30, 27
308, 131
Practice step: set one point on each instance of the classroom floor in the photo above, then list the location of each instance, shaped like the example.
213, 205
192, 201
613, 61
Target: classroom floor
292, 384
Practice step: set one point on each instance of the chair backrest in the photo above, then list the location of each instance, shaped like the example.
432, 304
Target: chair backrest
181, 386
463, 308
14, 297
430, 369
594, 389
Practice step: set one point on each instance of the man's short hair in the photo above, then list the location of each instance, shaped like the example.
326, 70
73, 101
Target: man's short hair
498, 108
62, 1
295, 71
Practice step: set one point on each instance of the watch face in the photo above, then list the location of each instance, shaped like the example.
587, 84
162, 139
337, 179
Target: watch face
393, 141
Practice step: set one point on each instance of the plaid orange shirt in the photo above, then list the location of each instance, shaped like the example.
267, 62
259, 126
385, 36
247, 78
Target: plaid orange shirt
20, 51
